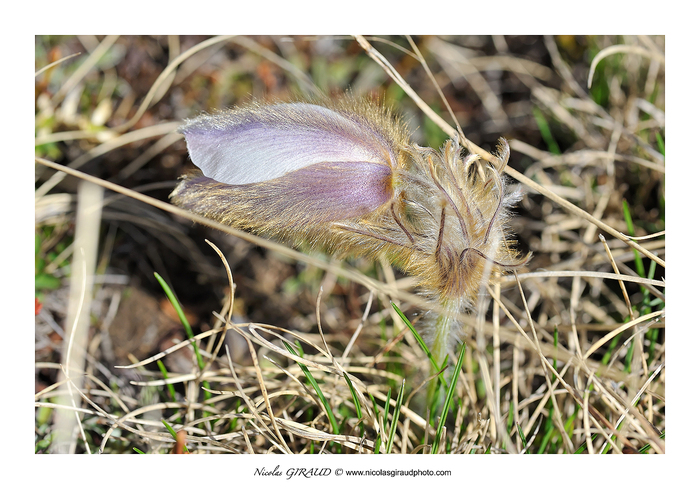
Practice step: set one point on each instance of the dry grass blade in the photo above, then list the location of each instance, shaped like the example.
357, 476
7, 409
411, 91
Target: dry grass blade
619, 330
55, 63
85, 67
374, 54
164, 76
623, 49
112, 144
583, 214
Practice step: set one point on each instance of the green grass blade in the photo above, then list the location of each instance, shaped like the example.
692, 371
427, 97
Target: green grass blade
511, 415
173, 433
171, 389
420, 341
356, 401
395, 417
319, 393
170, 429
186, 324
646, 447
546, 133
630, 229
386, 408
660, 142
583, 446
522, 437
448, 398
163, 371
375, 408
181, 315
545, 440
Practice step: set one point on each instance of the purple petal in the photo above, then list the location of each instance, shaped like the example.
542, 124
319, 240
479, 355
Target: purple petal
265, 142
333, 191
316, 194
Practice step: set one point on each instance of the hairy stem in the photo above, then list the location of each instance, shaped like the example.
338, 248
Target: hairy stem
444, 325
